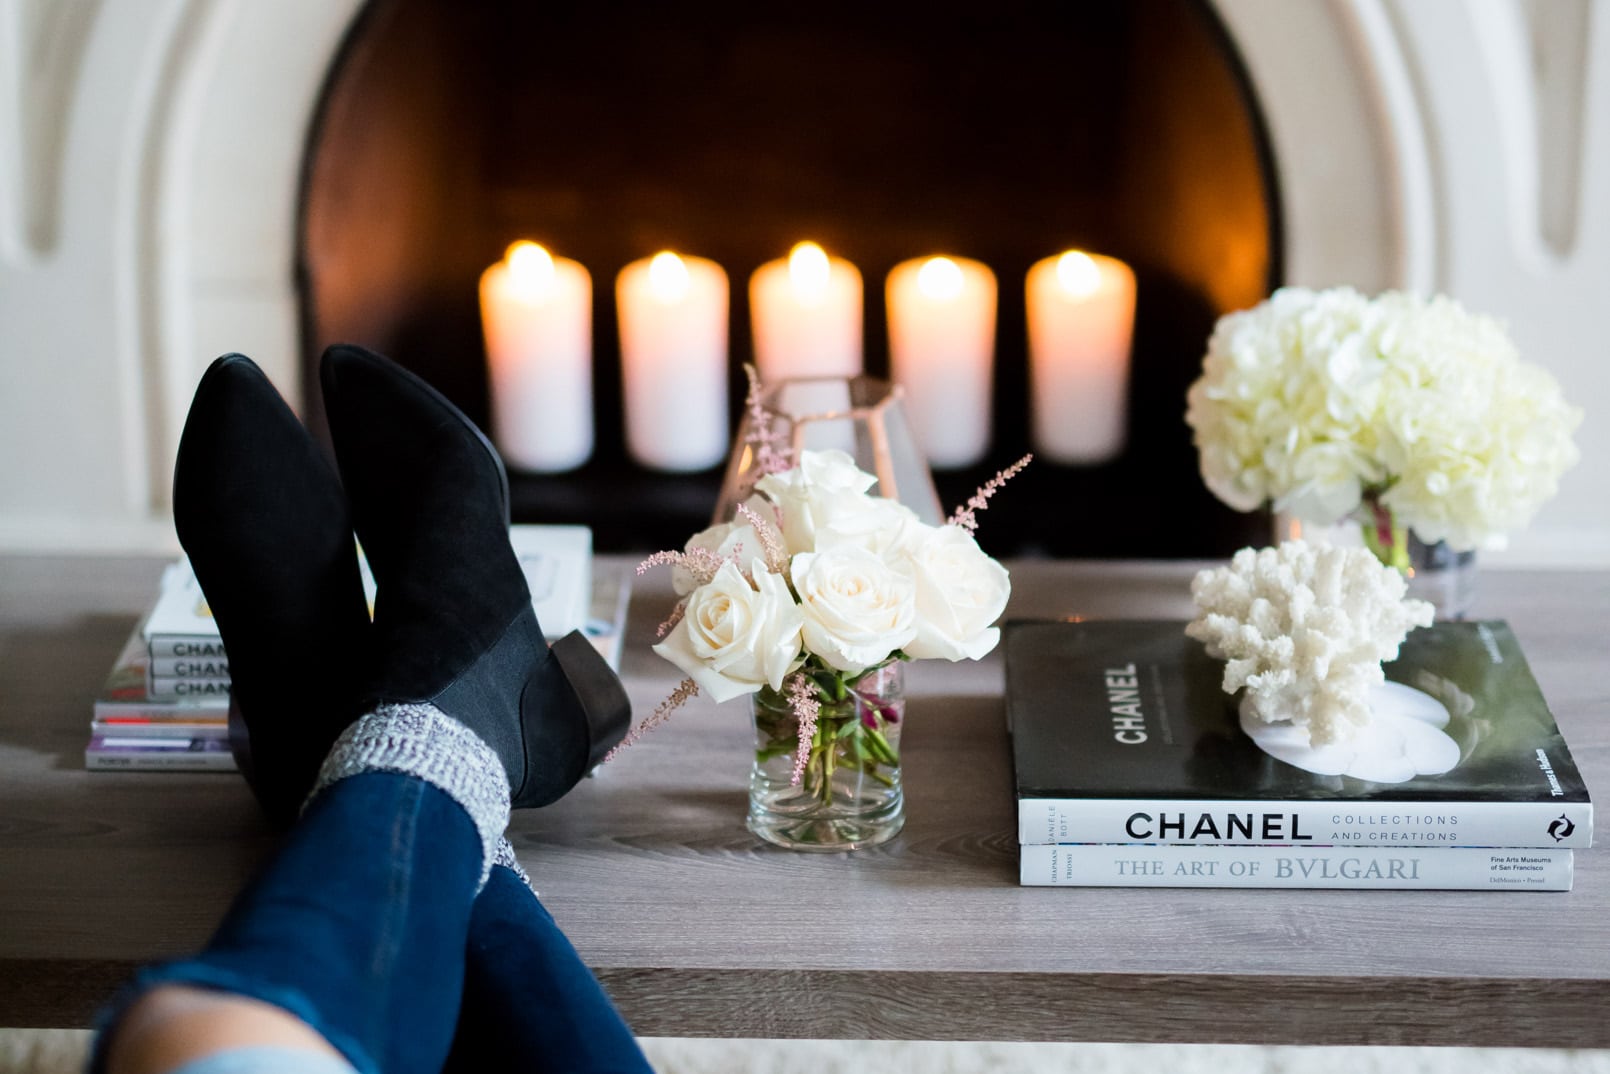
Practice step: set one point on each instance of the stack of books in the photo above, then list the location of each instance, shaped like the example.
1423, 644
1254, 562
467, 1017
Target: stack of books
1132, 770
132, 729
165, 705
184, 656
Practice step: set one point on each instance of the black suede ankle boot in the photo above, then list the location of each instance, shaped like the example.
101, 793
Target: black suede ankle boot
265, 524
454, 624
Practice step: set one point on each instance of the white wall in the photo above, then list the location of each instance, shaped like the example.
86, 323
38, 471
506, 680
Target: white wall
149, 152
1517, 100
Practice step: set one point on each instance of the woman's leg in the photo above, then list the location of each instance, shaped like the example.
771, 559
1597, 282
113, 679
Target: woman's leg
357, 927
267, 529
529, 997
175, 1027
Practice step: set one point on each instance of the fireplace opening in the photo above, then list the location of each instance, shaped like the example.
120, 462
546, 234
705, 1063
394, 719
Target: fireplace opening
610, 130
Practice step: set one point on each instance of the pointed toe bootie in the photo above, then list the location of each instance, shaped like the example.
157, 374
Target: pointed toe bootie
263, 519
454, 625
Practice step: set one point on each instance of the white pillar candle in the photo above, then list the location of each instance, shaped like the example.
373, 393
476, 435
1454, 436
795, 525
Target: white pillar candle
942, 350
805, 313
536, 315
1081, 311
673, 327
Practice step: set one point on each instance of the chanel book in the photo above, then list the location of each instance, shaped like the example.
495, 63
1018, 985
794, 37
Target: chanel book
1121, 733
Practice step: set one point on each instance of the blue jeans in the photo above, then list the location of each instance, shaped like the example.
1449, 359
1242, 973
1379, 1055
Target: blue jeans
530, 1003
362, 925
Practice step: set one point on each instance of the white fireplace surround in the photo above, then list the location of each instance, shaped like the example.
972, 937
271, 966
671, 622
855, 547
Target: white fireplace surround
150, 152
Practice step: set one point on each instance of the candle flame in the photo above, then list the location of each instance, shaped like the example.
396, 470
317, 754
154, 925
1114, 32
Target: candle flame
1078, 274
808, 270
530, 270
940, 278
668, 277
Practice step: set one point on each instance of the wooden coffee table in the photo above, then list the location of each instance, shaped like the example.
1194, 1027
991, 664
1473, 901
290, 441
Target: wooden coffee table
699, 930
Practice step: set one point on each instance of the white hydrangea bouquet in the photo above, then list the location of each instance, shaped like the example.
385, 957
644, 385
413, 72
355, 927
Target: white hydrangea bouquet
807, 599
1408, 413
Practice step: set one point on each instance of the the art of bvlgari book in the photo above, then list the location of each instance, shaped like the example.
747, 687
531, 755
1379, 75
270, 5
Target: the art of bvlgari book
1122, 734
1220, 866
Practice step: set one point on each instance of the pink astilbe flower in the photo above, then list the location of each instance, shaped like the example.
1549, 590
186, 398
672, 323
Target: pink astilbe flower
702, 563
673, 619
770, 543
685, 690
966, 516
803, 702
763, 437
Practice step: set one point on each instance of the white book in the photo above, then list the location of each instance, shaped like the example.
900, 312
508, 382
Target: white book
558, 565
180, 609
1239, 866
557, 562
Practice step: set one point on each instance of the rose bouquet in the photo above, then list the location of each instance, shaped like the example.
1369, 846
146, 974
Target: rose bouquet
810, 597
1412, 413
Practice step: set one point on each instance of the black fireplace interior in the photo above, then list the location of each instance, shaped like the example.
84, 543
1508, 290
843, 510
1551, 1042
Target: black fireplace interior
606, 130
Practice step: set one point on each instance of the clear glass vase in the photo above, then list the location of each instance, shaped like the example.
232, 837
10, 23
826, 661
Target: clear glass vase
848, 793
1442, 576
862, 416
1431, 572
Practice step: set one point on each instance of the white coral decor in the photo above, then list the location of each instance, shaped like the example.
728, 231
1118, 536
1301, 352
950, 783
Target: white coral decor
1304, 629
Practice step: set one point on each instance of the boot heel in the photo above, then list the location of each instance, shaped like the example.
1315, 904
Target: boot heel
573, 711
599, 691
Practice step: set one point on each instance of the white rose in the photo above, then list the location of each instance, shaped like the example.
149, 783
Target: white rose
728, 540
811, 488
961, 591
886, 527
734, 638
858, 609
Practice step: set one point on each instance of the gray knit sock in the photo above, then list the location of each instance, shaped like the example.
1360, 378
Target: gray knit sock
504, 856
421, 740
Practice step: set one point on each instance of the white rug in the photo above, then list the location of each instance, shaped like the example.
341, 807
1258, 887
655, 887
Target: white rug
61, 1051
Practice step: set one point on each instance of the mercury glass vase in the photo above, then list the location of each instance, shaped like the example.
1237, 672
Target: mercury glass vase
848, 793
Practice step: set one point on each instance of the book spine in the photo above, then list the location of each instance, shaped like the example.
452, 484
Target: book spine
188, 667
170, 689
174, 729
1403, 868
1559, 825
149, 710
122, 760
188, 646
